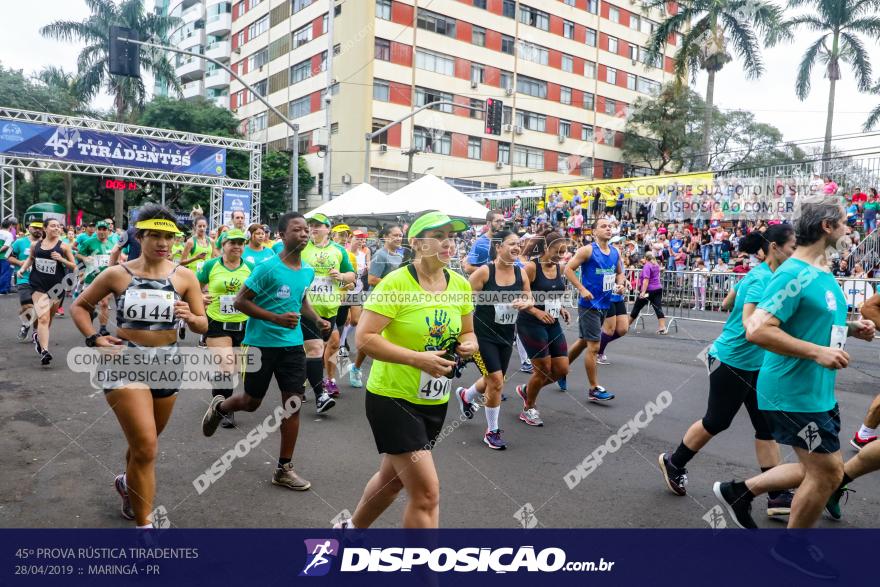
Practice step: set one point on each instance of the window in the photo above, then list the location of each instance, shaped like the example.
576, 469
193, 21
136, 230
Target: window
436, 62
634, 23
217, 10
381, 91
528, 157
258, 122
567, 63
301, 71
507, 44
565, 95
506, 80
630, 81
587, 132
261, 86
258, 59
252, 3
477, 73
613, 14
480, 109
383, 49
634, 52
504, 153
586, 165
433, 141
258, 27
480, 4
305, 142
475, 148
610, 106
478, 36
509, 8
322, 65
593, 6
426, 96
591, 38
570, 2
380, 139
607, 169
534, 17
533, 53
302, 36
300, 4
300, 107
611, 76
531, 120
647, 26
531, 86
589, 70
383, 9
564, 128
506, 115
562, 164
612, 45
436, 23
647, 86
567, 29
589, 101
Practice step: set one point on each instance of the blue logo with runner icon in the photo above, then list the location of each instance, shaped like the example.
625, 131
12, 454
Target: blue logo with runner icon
320, 553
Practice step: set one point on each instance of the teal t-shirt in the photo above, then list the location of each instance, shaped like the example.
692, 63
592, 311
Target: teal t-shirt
21, 250
82, 237
278, 289
257, 257
278, 247
808, 303
731, 347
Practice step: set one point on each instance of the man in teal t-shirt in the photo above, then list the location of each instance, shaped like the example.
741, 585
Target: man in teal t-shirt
801, 323
274, 298
21, 250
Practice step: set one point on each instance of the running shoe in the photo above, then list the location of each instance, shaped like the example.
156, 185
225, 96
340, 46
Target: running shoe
859, 443
521, 392
37, 346
563, 384
527, 367
738, 505
531, 417
60, 313
331, 388
23, 333
602, 359
212, 417
676, 479
45, 358
355, 378
203, 342
465, 407
228, 421
493, 440
802, 556
779, 505
598, 394
832, 506
342, 353
286, 477
103, 331
122, 490
324, 403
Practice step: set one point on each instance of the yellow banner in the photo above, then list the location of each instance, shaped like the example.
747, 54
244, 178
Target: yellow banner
633, 187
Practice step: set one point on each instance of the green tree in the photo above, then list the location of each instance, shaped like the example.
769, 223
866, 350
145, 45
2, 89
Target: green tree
40, 93
874, 115
839, 22
707, 29
522, 183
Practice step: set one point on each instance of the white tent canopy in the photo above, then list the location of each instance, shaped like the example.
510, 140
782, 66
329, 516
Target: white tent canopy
432, 193
359, 201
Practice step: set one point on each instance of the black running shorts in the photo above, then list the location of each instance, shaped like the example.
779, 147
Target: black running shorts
400, 426
813, 431
287, 364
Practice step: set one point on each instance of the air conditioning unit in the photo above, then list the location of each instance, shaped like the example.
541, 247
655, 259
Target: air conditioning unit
561, 138
499, 165
383, 148
346, 178
320, 137
508, 128
508, 91
518, 130
474, 84
237, 50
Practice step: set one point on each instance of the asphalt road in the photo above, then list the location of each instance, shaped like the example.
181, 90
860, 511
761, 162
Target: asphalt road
60, 448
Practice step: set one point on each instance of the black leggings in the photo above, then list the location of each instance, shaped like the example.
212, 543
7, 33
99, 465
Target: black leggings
654, 297
730, 388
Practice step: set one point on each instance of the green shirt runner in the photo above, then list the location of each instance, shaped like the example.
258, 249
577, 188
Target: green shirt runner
223, 285
731, 347
325, 293
100, 253
21, 250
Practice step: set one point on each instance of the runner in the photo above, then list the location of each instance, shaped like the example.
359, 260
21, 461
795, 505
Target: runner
224, 276
386, 260
733, 364
650, 290
332, 267
414, 348
616, 324
494, 323
335, 354
867, 433
161, 294
6, 241
238, 220
21, 251
177, 248
362, 258
198, 249
801, 321
50, 259
274, 297
538, 325
256, 251
95, 255
601, 276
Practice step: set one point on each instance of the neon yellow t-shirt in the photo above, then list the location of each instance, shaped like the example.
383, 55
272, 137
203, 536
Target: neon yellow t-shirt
420, 321
325, 293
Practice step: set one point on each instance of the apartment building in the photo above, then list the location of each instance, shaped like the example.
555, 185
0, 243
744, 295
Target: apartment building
566, 71
205, 27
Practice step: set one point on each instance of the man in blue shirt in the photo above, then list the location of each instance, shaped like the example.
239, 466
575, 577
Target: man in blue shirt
479, 253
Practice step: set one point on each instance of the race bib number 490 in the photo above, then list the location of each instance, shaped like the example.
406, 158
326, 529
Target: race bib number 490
148, 305
434, 388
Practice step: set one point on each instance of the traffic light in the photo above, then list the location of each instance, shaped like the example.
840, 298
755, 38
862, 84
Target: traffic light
124, 57
494, 110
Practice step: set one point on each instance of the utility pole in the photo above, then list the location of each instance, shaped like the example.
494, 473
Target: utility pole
412, 126
328, 99
294, 170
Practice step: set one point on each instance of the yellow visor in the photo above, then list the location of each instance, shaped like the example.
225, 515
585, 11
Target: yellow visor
160, 224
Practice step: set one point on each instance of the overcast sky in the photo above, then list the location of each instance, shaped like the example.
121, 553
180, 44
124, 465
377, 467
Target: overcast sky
771, 98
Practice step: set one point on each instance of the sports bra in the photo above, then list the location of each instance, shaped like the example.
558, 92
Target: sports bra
147, 304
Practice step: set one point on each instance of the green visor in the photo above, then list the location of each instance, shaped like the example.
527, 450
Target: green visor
432, 220
234, 235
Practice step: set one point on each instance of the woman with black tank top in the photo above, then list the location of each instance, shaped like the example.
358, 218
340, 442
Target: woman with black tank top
153, 294
506, 292
538, 326
51, 259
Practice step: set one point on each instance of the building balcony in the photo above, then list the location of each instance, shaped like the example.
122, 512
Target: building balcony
221, 101
193, 89
219, 24
219, 50
217, 79
193, 13
190, 69
194, 39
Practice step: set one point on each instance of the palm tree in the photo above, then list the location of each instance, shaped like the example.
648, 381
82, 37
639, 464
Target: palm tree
839, 22
707, 29
874, 115
93, 61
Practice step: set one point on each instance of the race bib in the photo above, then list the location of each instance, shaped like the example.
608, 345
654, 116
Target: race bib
321, 286
227, 306
102, 261
434, 388
149, 305
47, 266
553, 307
609, 280
838, 337
505, 314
